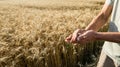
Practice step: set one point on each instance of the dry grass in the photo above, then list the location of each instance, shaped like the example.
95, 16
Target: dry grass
32, 32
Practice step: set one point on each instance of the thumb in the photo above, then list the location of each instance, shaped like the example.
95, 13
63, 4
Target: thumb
68, 38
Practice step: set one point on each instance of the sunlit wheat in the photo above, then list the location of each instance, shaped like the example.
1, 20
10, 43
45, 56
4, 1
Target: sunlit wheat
32, 32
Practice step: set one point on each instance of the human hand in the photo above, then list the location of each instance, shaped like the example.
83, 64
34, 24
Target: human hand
86, 37
73, 37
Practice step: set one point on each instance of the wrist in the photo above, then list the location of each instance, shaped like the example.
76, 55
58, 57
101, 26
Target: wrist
98, 36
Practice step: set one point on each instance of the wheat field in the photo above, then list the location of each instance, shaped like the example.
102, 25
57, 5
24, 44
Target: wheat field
32, 33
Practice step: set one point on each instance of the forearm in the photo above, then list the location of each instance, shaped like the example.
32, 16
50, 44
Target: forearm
108, 36
97, 23
100, 19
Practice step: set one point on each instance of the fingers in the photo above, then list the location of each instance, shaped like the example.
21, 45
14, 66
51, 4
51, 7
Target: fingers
68, 38
74, 36
81, 39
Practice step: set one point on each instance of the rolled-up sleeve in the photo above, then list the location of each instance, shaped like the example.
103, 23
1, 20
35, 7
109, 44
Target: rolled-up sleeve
109, 2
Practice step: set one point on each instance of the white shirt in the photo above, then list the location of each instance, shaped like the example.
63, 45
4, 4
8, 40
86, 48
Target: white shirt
110, 48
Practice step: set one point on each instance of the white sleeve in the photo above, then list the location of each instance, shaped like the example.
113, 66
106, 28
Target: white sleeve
109, 2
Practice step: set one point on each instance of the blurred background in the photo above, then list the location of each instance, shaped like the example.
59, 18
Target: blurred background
32, 33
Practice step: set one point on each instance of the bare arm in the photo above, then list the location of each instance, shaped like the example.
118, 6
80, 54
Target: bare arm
95, 25
100, 19
108, 36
